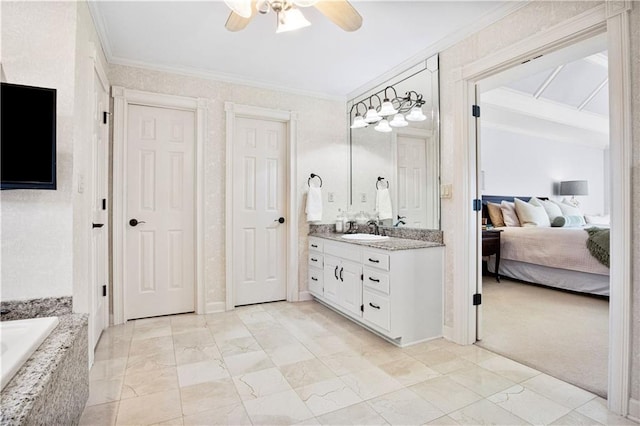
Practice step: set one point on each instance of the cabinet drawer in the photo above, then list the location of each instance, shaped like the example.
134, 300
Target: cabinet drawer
316, 259
316, 282
376, 280
343, 250
376, 310
315, 244
377, 260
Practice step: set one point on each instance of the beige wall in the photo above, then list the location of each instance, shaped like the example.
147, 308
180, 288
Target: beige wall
322, 148
529, 20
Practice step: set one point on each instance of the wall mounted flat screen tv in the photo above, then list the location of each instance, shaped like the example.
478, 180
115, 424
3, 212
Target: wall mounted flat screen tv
28, 137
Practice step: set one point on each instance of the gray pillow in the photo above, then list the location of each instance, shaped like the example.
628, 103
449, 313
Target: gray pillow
567, 221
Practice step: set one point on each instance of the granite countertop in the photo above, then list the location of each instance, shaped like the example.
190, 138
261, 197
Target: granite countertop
19, 394
391, 243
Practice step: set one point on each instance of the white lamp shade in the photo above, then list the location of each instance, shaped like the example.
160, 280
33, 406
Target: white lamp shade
358, 122
387, 109
416, 114
398, 121
372, 116
290, 20
305, 3
240, 7
383, 126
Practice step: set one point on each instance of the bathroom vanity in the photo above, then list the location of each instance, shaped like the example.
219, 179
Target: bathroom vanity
392, 286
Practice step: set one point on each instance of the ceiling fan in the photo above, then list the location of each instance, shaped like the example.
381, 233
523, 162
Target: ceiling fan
289, 17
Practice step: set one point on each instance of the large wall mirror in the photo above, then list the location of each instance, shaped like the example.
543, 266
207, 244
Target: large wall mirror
405, 159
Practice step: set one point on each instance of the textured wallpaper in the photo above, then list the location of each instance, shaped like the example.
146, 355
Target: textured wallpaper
322, 149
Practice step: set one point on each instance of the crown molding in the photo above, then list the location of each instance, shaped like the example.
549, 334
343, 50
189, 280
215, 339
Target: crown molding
482, 22
101, 28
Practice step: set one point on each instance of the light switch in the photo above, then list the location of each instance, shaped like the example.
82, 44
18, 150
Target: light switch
446, 191
363, 197
331, 197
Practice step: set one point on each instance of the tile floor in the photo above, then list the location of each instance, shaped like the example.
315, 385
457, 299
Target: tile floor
301, 363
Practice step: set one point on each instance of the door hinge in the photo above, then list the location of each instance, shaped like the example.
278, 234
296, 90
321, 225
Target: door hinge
477, 299
476, 205
475, 110
104, 204
104, 290
361, 277
105, 117
361, 308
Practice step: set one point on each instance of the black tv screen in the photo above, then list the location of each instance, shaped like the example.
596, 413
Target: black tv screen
28, 137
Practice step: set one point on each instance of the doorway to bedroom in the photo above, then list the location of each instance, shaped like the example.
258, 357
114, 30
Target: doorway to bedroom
543, 164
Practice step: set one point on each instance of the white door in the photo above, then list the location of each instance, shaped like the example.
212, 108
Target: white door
160, 242
412, 179
259, 202
99, 317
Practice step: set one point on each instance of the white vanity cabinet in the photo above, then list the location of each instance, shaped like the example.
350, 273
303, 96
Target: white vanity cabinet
395, 293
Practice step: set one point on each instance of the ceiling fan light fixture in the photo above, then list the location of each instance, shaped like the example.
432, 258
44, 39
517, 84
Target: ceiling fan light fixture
290, 20
263, 6
305, 3
240, 7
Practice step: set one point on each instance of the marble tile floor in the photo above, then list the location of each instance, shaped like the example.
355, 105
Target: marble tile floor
301, 363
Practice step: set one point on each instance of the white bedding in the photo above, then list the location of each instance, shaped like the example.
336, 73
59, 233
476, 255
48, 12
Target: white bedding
563, 248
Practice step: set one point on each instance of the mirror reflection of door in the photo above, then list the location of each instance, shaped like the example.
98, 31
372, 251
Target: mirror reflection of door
412, 178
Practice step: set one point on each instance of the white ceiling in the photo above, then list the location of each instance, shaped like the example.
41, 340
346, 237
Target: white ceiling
321, 59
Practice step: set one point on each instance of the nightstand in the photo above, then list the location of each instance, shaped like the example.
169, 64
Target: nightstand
491, 246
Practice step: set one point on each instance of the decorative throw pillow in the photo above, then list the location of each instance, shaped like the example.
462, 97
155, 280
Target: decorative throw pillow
568, 209
495, 214
550, 207
531, 215
597, 220
509, 213
567, 221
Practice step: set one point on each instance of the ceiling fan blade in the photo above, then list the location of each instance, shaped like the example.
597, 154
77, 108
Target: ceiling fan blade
341, 13
236, 22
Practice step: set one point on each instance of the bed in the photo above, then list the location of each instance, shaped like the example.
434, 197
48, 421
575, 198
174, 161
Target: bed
554, 257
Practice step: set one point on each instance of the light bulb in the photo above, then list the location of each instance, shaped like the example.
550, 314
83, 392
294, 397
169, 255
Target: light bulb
387, 108
372, 115
383, 126
398, 121
416, 114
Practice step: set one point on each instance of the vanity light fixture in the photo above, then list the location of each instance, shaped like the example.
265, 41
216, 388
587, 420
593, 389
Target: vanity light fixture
396, 106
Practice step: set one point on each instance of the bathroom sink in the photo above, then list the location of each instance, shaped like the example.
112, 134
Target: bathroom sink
364, 237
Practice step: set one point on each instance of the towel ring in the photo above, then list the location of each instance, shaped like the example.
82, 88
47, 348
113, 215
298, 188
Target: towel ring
313, 175
380, 179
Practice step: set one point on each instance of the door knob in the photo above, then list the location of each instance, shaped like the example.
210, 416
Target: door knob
135, 222
279, 220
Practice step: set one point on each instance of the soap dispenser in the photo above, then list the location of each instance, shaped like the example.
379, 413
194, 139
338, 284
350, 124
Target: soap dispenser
340, 222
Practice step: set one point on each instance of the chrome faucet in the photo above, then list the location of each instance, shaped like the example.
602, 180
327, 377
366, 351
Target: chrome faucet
376, 228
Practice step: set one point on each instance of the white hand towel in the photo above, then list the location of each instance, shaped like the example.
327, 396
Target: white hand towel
383, 204
314, 204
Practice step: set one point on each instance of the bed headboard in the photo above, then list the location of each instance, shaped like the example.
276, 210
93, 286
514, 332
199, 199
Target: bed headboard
500, 198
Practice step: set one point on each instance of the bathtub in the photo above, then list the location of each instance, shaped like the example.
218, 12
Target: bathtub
19, 340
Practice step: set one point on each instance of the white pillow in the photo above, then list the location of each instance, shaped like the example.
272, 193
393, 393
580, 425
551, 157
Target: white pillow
551, 208
597, 220
531, 215
569, 210
509, 214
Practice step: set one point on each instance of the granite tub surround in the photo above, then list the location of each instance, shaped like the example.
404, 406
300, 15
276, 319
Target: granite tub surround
52, 387
35, 308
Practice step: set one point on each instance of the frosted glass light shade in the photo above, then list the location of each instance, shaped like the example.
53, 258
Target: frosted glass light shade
241, 7
358, 122
398, 121
416, 114
292, 19
387, 109
383, 126
372, 116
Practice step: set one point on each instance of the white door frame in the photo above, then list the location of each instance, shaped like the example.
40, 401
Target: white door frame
98, 71
612, 17
122, 98
290, 118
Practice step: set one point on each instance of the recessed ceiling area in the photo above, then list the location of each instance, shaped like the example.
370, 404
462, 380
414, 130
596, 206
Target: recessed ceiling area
320, 59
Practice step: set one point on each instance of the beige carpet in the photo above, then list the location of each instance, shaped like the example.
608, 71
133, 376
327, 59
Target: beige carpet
562, 334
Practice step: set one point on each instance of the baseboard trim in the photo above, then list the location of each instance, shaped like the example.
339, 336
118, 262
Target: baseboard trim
304, 296
447, 332
634, 410
215, 307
